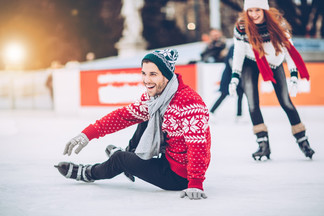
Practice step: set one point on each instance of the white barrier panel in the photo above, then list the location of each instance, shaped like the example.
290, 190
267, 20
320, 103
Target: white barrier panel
209, 77
6, 98
24, 90
66, 86
42, 98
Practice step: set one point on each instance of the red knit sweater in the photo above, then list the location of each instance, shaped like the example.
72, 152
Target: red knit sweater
186, 124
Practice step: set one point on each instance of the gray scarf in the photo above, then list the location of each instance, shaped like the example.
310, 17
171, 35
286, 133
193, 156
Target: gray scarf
150, 142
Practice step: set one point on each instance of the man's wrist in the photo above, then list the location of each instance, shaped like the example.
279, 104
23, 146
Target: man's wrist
195, 183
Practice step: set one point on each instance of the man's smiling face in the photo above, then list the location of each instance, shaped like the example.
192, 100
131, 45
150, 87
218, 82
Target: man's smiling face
153, 79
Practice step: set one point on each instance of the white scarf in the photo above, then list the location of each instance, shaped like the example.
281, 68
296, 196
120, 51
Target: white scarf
150, 142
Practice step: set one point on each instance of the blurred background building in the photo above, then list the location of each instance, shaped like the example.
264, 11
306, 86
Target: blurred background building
38, 37
63, 31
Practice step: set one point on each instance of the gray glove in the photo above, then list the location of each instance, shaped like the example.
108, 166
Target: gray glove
232, 86
193, 193
293, 86
81, 140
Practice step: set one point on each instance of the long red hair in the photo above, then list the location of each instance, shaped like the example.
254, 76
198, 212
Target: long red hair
278, 27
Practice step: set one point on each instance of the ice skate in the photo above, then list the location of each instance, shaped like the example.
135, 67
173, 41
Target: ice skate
74, 171
110, 150
264, 149
299, 132
304, 147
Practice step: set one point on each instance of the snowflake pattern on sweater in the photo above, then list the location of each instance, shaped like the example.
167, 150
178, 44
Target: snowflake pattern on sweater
243, 49
186, 126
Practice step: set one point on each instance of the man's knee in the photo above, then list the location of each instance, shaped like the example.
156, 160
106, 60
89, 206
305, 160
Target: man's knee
118, 156
124, 158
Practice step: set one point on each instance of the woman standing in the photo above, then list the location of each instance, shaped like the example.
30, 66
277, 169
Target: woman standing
262, 41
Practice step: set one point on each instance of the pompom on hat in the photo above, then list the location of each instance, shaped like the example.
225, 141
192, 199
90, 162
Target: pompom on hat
263, 4
165, 60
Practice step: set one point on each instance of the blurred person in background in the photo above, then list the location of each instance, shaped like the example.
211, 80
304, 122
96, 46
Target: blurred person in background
262, 41
315, 25
225, 80
215, 50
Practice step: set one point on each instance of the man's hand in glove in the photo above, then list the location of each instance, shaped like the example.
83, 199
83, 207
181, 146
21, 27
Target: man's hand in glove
193, 193
81, 141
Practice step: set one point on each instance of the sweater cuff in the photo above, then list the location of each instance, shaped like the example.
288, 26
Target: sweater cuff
91, 132
294, 72
236, 75
196, 183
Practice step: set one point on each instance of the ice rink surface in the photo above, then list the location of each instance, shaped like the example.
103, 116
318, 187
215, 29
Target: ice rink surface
32, 142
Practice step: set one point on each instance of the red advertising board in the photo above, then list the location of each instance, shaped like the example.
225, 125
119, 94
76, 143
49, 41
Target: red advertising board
310, 92
119, 87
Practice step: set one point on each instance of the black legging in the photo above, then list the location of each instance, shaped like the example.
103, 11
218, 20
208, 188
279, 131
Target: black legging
223, 96
249, 82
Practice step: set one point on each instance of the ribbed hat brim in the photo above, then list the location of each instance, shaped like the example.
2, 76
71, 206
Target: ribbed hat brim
263, 4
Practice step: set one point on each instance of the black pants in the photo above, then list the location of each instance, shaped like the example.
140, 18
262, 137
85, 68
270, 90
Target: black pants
249, 82
223, 96
156, 171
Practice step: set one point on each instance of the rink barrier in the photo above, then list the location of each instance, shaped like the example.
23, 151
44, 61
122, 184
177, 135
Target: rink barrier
79, 91
120, 86
25, 90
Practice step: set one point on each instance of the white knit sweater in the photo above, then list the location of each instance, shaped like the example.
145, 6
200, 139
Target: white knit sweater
243, 49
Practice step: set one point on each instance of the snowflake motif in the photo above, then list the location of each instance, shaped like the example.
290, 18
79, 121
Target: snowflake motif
138, 110
173, 123
145, 96
200, 124
141, 106
168, 56
170, 123
171, 55
205, 123
137, 103
190, 125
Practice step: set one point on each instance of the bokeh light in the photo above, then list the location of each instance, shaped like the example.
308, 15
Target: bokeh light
14, 53
191, 26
